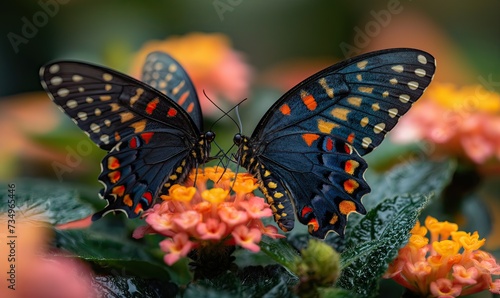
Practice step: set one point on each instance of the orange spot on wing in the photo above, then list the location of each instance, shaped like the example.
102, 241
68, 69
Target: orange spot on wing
334, 219
117, 136
310, 102
285, 109
147, 136
306, 210
350, 166
183, 98
138, 126
114, 176
127, 200
118, 190
313, 225
113, 163
350, 185
138, 209
350, 137
346, 207
171, 112
309, 138
152, 105
190, 108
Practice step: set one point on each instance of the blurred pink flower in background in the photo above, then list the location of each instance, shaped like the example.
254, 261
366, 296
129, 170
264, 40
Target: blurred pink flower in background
214, 67
460, 121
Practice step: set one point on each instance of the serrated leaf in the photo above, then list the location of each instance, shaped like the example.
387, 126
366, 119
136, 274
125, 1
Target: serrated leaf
108, 252
375, 242
45, 200
133, 287
279, 250
252, 281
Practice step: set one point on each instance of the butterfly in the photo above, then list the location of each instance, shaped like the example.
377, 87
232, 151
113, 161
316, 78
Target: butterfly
152, 130
306, 150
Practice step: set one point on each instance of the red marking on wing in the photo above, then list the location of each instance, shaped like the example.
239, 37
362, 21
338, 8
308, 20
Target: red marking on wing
329, 144
148, 196
133, 143
183, 98
309, 138
350, 166
171, 112
147, 136
113, 163
310, 102
152, 106
190, 108
114, 176
285, 109
347, 149
306, 210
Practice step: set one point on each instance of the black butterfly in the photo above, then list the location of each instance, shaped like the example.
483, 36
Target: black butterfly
154, 136
306, 150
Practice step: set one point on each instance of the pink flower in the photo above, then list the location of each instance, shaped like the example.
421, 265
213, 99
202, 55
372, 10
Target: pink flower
208, 214
459, 121
213, 229
256, 207
465, 276
444, 288
247, 238
176, 248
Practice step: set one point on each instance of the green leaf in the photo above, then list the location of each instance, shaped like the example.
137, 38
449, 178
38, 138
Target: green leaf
133, 287
418, 176
279, 250
375, 242
106, 251
44, 200
252, 281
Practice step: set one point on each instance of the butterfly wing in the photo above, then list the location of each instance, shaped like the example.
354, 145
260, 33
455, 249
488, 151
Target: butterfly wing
164, 73
148, 135
350, 104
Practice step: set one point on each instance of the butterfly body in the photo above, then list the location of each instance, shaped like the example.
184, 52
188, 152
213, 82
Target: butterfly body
153, 137
306, 150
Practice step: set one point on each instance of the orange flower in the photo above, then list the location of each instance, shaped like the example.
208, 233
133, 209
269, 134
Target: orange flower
444, 267
200, 216
209, 61
459, 121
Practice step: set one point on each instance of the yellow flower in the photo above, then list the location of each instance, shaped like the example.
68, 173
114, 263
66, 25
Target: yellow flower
215, 195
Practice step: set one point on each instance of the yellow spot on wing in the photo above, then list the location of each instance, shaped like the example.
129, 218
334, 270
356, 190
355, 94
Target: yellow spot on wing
340, 113
362, 64
139, 126
355, 101
178, 87
328, 90
325, 126
114, 107
364, 121
126, 116
375, 107
138, 93
366, 89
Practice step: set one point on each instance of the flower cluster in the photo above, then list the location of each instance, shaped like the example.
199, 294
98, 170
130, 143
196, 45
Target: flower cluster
211, 63
219, 208
449, 264
459, 121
